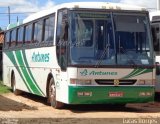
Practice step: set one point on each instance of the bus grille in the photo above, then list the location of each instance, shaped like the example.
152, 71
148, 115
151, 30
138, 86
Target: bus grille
111, 82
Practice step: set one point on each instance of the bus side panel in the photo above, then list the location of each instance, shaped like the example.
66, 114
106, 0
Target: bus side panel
40, 63
9, 66
6, 70
31, 68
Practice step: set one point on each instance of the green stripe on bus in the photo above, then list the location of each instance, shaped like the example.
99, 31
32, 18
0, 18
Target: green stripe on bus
144, 71
137, 72
12, 59
132, 73
26, 75
29, 71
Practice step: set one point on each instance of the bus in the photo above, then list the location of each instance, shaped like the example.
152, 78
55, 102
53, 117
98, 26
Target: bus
82, 53
155, 27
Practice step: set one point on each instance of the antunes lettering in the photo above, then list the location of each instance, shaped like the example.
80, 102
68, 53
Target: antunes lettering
37, 57
102, 73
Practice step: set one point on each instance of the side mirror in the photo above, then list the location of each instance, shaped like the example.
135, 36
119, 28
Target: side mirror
157, 68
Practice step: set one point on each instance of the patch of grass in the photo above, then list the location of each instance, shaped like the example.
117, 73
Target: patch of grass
4, 89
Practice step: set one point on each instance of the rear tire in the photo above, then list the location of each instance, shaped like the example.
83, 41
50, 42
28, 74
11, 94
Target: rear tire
52, 95
13, 85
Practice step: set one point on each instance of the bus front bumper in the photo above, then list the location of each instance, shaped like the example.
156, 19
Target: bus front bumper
110, 94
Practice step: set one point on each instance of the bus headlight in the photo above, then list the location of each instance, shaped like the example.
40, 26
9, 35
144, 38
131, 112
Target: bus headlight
80, 82
149, 82
146, 82
141, 82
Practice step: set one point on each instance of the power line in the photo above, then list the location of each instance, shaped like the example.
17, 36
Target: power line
9, 14
3, 7
18, 13
11, 18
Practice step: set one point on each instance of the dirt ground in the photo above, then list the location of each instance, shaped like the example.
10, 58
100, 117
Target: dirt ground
27, 108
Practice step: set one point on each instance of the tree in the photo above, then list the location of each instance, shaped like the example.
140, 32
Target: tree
0, 29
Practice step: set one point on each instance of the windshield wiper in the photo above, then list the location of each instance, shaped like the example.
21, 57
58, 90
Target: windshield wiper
102, 56
129, 59
104, 53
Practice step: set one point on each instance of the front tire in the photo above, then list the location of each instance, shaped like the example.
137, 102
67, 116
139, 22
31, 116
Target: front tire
52, 95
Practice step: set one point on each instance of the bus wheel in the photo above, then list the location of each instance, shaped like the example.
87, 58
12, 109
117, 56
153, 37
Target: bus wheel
52, 95
13, 85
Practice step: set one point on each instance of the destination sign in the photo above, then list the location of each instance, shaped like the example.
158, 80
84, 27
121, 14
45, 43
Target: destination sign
94, 15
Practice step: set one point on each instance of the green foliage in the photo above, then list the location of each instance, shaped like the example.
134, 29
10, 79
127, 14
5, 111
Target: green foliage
4, 89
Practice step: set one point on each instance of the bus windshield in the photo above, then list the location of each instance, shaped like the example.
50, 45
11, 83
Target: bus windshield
99, 38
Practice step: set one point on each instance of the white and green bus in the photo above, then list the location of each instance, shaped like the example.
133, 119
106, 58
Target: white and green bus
82, 53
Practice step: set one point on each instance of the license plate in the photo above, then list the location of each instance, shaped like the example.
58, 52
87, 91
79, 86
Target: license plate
116, 94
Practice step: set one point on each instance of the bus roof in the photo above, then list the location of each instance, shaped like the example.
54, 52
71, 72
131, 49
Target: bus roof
90, 5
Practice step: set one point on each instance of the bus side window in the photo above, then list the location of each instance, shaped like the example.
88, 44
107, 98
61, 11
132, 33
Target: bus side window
28, 34
20, 36
49, 29
37, 31
13, 38
62, 39
7, 39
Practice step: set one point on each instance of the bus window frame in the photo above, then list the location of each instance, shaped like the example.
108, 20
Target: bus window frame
31, 44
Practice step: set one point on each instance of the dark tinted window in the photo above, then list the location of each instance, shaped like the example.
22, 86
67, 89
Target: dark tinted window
156, 37
13, 37
20, 36
28, 34
7, 39
38, 31
49, 29
62, 38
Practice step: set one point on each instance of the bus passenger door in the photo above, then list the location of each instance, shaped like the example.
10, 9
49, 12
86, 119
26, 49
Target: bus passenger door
62, 39
62, 52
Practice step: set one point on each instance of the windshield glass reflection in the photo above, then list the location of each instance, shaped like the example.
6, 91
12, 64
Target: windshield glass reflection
97, 40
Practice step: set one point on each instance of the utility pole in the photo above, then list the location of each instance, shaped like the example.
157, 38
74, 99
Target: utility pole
17, 19
9, 18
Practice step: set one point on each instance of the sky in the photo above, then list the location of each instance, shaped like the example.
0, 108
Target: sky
20, 9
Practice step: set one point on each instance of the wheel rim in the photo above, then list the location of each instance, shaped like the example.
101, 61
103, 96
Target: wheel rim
52, 94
